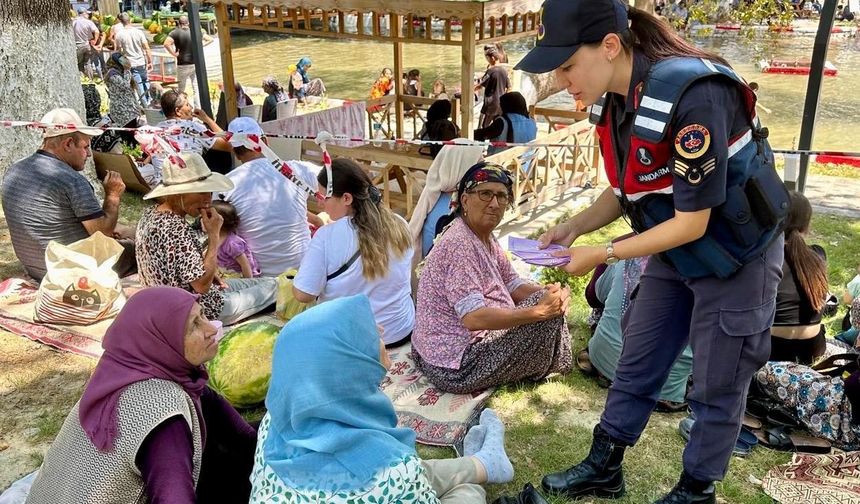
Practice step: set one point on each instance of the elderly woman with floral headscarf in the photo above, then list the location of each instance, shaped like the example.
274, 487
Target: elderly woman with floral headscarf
331, 435
147, 428
478, 324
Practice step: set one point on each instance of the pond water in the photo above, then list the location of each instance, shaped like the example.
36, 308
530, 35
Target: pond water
350, 67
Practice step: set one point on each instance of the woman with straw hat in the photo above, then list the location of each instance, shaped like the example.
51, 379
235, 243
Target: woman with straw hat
169, 253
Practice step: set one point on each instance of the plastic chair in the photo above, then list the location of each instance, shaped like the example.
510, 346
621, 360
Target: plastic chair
286, 108
154, 116
253, 111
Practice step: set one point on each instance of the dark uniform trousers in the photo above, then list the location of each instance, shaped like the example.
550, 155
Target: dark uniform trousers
727, 323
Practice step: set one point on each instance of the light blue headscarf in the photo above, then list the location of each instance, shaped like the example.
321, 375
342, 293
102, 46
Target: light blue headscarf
303, 63
302, 67
331, 428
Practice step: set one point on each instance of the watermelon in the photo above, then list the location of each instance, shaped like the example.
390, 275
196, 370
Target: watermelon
159, 38
241, 370
146, 24
136, 19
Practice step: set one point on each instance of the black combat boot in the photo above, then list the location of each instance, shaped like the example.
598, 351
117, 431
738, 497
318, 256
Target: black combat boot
690, 491
599, 474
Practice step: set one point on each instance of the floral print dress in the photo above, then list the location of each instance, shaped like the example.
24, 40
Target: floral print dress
403, 482
818, 401
123, 102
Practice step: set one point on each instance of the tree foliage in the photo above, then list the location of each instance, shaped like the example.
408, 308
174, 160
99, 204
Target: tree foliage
770, 12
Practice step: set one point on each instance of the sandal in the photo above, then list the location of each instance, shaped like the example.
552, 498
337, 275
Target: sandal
664, 406
808, 444
752, 423
774, 438
583, 363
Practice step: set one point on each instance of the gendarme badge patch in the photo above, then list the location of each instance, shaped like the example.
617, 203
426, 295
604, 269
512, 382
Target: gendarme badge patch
692, 141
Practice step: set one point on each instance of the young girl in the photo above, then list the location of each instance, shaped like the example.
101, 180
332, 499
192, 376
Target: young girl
384, 84
234, 253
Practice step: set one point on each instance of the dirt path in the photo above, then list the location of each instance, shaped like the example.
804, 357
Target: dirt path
38, 386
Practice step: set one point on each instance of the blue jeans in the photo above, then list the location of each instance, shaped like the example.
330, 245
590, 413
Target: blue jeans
140, 77
247, 296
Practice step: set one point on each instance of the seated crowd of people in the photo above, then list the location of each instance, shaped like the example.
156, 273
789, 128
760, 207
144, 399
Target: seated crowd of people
148, 425
210, 248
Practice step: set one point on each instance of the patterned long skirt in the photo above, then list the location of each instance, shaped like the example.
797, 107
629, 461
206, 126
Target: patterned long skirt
527, 352
817, 401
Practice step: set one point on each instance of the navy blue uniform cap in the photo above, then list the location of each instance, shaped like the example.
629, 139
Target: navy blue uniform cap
567, 24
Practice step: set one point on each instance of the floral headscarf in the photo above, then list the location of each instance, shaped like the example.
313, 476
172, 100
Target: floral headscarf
482, 173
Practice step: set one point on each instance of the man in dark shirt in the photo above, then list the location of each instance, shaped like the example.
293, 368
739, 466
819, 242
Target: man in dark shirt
45, 197
181, 46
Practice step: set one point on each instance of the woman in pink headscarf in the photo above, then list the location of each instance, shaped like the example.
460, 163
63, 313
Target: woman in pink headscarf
147, 428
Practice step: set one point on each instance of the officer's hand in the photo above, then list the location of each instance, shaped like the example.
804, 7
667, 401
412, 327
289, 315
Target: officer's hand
113, 184
582, 259
562, 234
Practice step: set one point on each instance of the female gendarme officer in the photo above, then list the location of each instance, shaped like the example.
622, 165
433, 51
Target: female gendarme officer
692, 172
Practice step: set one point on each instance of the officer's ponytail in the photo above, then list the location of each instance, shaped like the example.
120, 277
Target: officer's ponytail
809, 268
657, 40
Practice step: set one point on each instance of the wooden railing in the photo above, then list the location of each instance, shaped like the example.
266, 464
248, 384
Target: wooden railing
556, 118
542, 173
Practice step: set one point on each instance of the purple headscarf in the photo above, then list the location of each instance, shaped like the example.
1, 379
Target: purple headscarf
147, 340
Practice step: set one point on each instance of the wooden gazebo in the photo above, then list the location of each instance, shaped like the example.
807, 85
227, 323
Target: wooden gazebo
464, 23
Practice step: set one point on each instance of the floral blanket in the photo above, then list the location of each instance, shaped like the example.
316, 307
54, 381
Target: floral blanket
438, 418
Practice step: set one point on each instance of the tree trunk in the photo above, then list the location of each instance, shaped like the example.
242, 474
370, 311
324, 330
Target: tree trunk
37, 55
535, 87
646, 5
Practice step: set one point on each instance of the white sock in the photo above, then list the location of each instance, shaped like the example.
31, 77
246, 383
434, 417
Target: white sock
492, 453
474, 440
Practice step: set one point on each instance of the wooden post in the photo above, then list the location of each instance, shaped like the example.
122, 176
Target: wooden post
467, 71
395, 29
227, 76
199, 61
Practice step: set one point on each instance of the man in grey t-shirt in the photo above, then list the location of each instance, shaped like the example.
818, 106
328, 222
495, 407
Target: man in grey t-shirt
46, 198
87, 37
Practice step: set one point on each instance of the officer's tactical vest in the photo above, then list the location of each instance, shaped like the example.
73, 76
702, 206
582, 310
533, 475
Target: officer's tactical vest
756, 199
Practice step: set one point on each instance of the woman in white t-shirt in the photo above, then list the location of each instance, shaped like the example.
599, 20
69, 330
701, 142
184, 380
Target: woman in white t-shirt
367, 250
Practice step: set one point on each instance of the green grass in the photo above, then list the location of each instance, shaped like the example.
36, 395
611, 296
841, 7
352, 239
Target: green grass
48, 425
549, 424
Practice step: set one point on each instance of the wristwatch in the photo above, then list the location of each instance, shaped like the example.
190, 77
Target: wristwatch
610, 254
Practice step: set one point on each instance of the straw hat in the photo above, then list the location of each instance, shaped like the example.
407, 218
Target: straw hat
187, 173
68, 121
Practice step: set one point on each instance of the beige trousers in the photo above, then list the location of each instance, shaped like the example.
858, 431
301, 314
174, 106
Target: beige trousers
454, 480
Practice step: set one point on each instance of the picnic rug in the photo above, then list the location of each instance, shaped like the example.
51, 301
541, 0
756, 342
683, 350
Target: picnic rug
438, 418
816, 479
17, 306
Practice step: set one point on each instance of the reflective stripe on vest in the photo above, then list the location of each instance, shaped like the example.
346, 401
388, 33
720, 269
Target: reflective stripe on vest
735, 234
